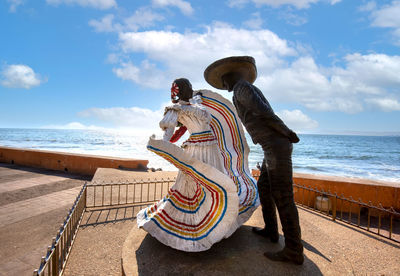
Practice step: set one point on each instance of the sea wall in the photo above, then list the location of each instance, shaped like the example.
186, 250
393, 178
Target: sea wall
368, 191
70, 162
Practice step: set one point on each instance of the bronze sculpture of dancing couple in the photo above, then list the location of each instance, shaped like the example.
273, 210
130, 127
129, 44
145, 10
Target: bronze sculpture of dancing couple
214, 193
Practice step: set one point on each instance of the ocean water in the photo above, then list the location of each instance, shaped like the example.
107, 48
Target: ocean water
371, 157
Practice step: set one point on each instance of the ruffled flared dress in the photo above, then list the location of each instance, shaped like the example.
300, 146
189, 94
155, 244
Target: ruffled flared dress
228, 130
202, 206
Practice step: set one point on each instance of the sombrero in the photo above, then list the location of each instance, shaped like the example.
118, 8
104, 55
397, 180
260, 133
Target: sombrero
245, 65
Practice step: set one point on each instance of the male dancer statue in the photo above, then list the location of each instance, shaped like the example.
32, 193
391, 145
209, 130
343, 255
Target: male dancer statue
275, 184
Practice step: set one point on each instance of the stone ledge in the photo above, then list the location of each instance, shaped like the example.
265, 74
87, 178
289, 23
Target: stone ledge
84, 164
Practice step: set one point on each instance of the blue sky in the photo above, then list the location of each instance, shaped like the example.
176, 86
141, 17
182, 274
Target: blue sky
326, 66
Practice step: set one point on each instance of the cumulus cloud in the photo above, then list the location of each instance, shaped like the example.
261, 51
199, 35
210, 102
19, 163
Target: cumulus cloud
285, 74
19, 76
255, 22
386, 16
297, 120
72, 125
97, 4
14, 4
141, 18
184, 6
105, 24
299, 4
173, 54
292, 18
120, 117
345, 88
386, 104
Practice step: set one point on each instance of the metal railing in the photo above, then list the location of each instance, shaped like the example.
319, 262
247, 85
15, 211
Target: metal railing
384, 222
57, 254
92, 197
127, 192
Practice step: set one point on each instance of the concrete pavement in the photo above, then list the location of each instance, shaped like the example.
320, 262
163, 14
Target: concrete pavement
33, 204
109, 236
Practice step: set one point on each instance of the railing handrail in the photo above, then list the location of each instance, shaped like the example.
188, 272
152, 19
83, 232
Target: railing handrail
390, 212
53, 250
350, 199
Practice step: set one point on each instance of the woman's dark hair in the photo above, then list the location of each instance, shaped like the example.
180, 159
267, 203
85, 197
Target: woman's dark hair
185, 89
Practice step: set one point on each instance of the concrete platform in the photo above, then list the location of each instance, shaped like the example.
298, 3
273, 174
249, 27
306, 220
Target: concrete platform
109, 243
33, 204
331, 248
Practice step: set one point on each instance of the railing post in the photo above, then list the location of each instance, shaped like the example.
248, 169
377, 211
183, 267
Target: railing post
55, 258
391, 226
359, 212
85, 197
334, 204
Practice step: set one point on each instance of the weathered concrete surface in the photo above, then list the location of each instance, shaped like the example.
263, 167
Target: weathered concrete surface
34, 202
331, 248
84, 164
109, 175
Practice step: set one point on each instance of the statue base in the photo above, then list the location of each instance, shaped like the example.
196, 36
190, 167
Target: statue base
240, 254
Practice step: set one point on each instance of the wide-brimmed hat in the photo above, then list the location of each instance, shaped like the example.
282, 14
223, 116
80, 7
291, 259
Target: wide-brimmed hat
245, 65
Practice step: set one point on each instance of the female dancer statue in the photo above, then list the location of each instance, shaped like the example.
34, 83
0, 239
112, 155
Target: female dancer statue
202, 205
214, 193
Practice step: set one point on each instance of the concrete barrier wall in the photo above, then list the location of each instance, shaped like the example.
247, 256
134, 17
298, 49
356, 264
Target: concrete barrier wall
376, 192
74, 163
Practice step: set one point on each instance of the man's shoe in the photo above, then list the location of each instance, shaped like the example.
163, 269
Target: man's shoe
285, 256
274, 237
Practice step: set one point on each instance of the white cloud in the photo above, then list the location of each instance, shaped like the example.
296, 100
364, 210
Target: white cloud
104, 25
300, 4
97, 4
283, 75
72, 125
386, 104
188, 54
147, 74
297, 120
19, 76
255, 22
386, 16
345, 88
122, 117
141, 18
14, 4
292, 18
369, 6
184, 6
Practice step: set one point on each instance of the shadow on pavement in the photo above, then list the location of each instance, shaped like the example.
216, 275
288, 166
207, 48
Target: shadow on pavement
241, 254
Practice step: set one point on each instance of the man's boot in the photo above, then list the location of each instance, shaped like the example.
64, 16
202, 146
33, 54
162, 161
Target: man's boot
286, 255
272, 235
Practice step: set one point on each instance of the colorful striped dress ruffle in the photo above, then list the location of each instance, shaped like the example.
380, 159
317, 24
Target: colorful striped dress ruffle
227, 128
202, 206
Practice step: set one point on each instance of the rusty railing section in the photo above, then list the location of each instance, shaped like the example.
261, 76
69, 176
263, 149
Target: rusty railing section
57, 254
384, 222
127, 192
